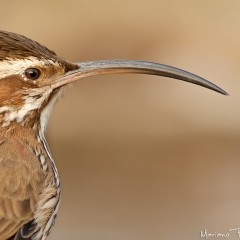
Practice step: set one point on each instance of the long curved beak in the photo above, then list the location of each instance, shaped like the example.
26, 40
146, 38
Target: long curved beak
87, 69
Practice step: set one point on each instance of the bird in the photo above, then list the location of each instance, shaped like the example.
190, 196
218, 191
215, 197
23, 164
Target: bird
32, 78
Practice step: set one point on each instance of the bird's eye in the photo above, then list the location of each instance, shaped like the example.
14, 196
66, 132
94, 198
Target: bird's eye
32, 73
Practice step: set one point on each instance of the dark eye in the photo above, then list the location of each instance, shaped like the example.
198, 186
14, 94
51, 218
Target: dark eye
32, 73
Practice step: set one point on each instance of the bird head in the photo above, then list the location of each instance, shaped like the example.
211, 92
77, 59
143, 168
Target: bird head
32, 78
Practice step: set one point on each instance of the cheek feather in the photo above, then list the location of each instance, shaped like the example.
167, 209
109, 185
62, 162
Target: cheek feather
10, 88
29, 103
18, 98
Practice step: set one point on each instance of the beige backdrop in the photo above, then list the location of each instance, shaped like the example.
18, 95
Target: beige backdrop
143, 157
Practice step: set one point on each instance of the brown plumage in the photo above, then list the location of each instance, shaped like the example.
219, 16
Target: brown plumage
28, 179
22, 180
17, 46
31, 80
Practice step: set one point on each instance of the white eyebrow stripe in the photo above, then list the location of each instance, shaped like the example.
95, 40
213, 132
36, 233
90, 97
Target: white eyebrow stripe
11, 66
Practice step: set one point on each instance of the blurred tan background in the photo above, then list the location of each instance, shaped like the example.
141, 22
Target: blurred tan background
143, 157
